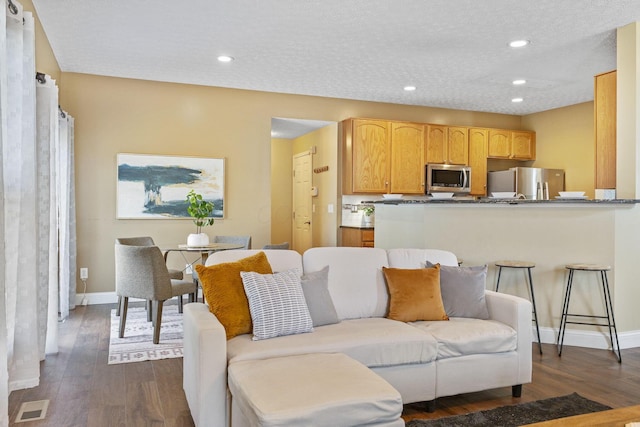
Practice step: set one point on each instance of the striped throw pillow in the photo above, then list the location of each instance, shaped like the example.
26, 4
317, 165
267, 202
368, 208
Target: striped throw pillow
277, 304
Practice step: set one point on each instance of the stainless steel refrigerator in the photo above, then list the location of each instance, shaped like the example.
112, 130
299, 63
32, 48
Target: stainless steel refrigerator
533, 183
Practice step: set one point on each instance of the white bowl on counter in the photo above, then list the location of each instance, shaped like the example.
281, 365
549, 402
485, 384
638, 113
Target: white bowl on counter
503, 194
442, 195
571, 193
392, 196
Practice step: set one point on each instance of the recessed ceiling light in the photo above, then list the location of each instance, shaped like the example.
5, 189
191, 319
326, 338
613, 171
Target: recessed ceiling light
517, 100
519, 82
519, 43
225, 58
409, 88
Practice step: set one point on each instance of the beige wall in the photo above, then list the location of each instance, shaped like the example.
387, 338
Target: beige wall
565, 140
281, 189
116, 115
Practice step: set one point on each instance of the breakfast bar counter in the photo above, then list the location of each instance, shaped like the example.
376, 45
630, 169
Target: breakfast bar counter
549, 233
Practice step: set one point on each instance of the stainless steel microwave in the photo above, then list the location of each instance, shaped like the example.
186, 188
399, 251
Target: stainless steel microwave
447, 178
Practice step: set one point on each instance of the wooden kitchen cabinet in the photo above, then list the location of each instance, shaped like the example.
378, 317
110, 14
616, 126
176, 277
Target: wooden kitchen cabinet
478, 144
358, 237
407, 154
508, 144
447, 145
499, 144
366, 156
457, 146
382, 157
605, 129
523, 145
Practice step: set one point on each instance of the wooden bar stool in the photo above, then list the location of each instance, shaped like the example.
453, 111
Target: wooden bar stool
528, 265
611, 323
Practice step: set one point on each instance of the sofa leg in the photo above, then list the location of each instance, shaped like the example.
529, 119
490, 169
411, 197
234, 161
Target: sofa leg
516, 390
430, 405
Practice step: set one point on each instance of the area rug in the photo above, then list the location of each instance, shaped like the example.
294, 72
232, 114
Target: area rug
517, 415
137, 344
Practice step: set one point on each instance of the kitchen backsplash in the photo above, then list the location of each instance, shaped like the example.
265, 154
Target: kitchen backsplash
352, 213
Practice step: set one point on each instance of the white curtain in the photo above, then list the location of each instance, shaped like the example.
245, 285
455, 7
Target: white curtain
4, 348
66, 213
37, 209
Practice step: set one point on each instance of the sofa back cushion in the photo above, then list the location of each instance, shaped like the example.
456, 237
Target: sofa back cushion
417, 258
356, 283
280, 260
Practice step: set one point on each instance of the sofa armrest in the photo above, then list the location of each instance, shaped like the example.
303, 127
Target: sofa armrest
515, 312
205, 366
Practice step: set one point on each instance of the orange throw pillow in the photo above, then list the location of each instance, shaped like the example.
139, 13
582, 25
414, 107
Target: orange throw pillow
414, 294
223, 291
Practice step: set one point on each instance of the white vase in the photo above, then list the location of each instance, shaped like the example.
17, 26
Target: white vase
201, 239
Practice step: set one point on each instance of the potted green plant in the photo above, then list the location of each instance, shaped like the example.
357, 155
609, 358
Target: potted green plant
368, 211
200, 210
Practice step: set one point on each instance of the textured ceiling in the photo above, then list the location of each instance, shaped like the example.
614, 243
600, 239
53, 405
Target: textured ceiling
454, 51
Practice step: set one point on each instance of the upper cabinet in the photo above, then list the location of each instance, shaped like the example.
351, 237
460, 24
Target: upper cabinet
382, 157
366, 157
478, 143
447, 145
605, 129
407, 154
508, 144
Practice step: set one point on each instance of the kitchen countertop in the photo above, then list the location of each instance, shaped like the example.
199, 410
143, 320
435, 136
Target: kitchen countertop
495, 201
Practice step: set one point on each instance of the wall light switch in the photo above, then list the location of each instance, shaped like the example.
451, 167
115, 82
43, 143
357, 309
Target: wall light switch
330, 208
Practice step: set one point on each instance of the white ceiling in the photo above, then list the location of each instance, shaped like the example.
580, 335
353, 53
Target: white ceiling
454, 51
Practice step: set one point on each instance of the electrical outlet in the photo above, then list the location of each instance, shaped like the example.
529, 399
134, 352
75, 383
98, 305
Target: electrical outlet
84, 273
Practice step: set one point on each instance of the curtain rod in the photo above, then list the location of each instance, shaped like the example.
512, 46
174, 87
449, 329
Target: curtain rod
12, 8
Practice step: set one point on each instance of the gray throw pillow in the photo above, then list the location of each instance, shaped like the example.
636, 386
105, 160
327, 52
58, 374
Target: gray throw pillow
315, 286
462, 290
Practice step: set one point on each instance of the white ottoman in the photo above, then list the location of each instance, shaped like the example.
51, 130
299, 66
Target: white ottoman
322, 389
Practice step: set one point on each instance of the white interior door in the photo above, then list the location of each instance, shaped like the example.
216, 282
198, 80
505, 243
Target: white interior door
302, 231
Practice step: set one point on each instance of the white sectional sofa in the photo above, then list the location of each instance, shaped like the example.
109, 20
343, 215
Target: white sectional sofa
422, 360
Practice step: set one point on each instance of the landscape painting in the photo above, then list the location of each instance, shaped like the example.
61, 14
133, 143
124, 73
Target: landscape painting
156, 187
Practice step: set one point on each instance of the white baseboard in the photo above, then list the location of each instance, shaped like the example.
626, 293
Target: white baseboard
589, 339
98, 298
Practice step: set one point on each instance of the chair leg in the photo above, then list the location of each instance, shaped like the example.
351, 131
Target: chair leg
157, 320
180, 304
149, 309
123, 315
118, 306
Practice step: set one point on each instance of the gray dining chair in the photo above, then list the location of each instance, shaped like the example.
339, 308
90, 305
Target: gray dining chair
142, 273
241, 240
284, 245
147, 241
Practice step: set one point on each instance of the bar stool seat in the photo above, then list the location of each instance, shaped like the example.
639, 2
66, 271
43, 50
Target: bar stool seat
528, 265
608, 305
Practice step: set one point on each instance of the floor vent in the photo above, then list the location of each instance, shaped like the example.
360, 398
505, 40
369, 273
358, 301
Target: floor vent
31, 411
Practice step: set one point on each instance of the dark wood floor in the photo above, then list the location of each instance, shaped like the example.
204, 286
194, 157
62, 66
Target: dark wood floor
85, 391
